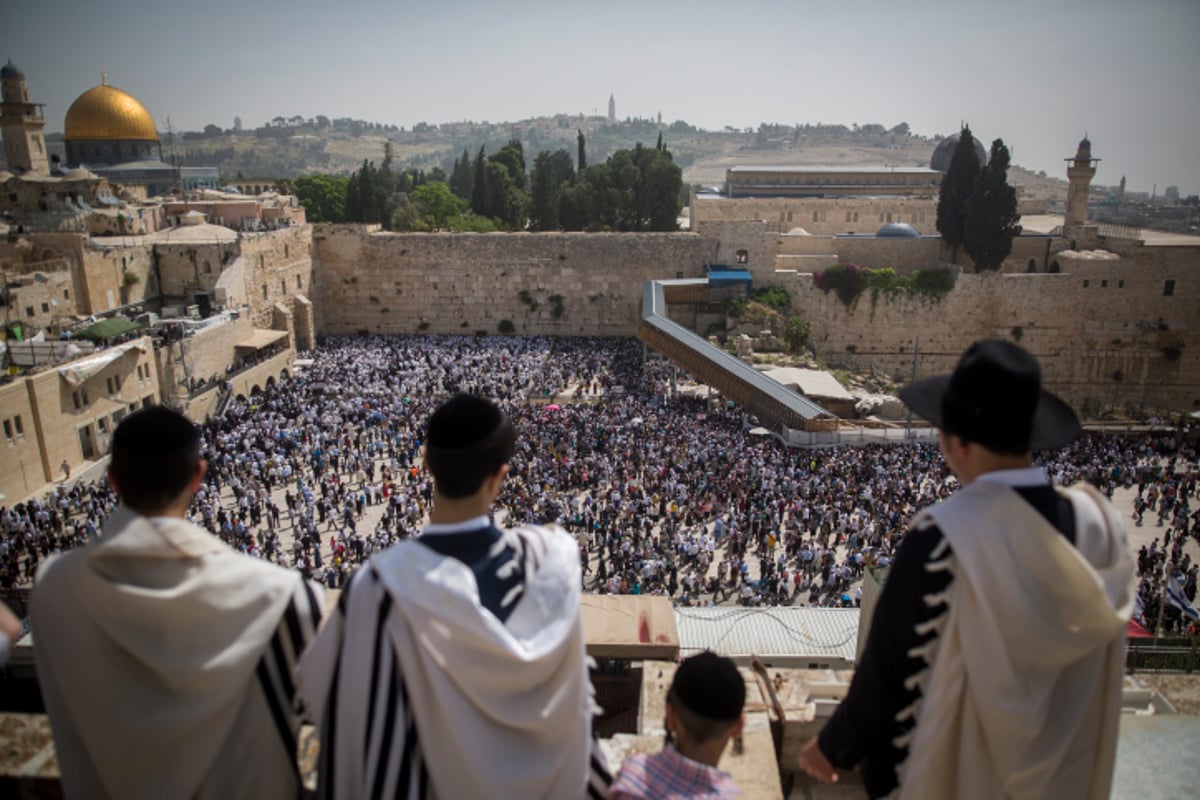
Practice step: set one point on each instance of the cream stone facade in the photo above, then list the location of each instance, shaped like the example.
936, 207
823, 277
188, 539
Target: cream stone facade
68, 412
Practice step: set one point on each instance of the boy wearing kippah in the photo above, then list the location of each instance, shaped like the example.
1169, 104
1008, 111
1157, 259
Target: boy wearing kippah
704, 711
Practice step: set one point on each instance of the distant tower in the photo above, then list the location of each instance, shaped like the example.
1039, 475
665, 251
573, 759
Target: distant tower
237, 124
1121, 191
660, 119
1080, 171
612, 108
21, 124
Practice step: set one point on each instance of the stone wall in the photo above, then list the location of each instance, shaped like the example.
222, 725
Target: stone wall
202, 356
820, 215
754, 245
24, 471
545, 283
278, 265
59, 418
117, 274
1117, 339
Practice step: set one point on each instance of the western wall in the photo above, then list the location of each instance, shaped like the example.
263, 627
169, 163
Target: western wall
557, 284
1105, 330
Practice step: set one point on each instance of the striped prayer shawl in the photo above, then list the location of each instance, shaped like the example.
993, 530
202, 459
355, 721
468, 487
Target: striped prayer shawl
370, 737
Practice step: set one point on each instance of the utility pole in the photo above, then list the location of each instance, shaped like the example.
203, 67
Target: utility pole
908, 431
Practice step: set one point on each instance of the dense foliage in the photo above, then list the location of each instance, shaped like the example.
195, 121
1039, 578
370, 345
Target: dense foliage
849, 281
992, 218
775, 297
796, 333
957, 186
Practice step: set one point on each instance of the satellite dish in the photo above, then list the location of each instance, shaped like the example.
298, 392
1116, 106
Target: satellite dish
54, 303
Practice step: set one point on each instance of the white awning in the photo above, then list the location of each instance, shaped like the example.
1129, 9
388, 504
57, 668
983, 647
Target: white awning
79, 371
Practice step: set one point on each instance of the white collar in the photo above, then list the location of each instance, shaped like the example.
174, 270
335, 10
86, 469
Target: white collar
475, 523
1021, 476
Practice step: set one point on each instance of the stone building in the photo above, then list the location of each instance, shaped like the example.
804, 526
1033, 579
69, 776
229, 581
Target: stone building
21, 124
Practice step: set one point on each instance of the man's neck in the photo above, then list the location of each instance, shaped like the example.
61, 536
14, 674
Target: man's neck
448, 512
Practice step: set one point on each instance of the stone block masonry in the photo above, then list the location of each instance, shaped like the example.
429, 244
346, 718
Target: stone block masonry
560, 284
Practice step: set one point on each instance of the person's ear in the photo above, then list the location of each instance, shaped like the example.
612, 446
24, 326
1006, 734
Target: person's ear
112, 481
496, 480
198, 478
737, 727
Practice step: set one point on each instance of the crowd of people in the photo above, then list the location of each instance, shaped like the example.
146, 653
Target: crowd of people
666, 494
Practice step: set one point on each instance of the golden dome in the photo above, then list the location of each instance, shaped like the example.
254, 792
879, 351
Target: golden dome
105, 112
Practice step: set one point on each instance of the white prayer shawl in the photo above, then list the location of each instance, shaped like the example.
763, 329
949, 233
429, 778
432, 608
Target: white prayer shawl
149, 704
502, 710
1022, 695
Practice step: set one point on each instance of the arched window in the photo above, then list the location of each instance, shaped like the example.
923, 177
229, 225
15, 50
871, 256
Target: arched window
742, 256
1032, 265
1054, 268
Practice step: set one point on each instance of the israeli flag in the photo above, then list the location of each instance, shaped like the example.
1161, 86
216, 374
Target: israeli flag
1177, 598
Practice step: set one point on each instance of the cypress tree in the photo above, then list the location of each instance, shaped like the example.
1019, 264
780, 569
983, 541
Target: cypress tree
479, 191
991, 223
582, 153
957, 186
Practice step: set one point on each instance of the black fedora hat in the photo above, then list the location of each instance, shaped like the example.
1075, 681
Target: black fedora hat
995, 397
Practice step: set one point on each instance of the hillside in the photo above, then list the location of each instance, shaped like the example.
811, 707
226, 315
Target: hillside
287, 151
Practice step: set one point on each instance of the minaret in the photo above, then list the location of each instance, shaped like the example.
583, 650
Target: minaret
21, 124
612, 108
1080, 171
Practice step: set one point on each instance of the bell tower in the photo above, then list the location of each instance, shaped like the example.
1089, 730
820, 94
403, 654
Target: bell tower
1080, 171
21, 124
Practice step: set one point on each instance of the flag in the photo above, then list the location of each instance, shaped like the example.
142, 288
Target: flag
1177, 598
1139, 609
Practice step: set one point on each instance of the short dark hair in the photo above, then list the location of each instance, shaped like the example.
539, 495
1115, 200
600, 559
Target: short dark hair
155, 453
708, 695
469, 438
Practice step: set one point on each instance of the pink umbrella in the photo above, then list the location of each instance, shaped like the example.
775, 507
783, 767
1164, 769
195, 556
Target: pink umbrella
553, 407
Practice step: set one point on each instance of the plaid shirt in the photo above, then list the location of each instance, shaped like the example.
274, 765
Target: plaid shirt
668, 775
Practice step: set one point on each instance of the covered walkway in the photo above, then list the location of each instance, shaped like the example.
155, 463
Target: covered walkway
774, 405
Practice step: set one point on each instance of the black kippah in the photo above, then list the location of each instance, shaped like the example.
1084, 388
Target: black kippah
462, 421
710, 686
155, 429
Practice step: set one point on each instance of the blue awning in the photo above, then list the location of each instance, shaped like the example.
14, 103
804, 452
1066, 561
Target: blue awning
728, 277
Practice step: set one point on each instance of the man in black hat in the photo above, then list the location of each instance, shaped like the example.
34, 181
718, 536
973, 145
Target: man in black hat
993, 666
454, 665
704, 711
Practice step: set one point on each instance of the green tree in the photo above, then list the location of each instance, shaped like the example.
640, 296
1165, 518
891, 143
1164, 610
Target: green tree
957, 185
471, 223
479, 187
512, 158
323, 196
462, 177
551, 172
796, 332
581, 146
992, 218
436, 203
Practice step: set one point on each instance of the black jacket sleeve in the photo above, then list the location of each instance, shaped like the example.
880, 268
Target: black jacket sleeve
864, 726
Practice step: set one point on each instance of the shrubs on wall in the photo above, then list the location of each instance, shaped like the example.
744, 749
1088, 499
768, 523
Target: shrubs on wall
506, 326
849, 281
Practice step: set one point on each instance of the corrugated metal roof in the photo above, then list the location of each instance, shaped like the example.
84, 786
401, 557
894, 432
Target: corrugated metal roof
783, 637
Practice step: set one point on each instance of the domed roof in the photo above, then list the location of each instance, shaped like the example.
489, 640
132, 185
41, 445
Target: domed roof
105, 112
942, 154
898, 230
10, 71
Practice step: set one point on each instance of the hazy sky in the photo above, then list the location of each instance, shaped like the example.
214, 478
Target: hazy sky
1038, 73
